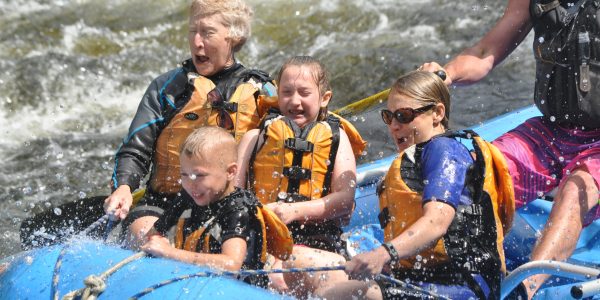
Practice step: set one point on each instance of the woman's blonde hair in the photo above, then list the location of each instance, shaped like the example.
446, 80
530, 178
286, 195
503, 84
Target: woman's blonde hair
319, 74
237, 16
426, 88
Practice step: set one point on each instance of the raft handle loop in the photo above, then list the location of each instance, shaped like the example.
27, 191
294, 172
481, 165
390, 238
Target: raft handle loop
95, 284
61, 254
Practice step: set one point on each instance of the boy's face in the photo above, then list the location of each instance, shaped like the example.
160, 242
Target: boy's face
206, 181
210, 45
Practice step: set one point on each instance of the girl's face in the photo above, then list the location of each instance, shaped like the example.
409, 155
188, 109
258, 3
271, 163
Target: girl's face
299, 96
424, 126
210, 44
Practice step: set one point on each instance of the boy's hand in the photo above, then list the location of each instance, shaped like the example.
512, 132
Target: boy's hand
157, 245
117, 205
285, 211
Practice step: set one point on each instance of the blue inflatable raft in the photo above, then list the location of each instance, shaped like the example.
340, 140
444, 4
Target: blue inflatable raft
57, 270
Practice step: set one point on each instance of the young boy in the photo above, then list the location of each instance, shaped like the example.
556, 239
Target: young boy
223, 230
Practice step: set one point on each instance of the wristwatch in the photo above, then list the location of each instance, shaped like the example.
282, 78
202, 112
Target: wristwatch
392, 251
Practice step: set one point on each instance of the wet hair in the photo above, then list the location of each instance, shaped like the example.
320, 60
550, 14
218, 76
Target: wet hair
237, 16
211, 144
319, 74
426, 88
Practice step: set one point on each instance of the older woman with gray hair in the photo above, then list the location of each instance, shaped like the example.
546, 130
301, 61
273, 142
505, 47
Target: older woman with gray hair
209, 89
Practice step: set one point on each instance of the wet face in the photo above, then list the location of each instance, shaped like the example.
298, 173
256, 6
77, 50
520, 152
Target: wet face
210, 46
299, 96
206, 181
424, 126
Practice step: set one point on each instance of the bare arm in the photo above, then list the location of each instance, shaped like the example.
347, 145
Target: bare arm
338, 204
245, 149
231, 258
427, 230
474, 63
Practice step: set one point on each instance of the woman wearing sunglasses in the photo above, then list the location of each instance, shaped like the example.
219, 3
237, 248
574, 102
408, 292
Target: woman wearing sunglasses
209, 89
441, 227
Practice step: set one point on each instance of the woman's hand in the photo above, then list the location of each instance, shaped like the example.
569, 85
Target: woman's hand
368, 264
117, 205
157, 245
285, 211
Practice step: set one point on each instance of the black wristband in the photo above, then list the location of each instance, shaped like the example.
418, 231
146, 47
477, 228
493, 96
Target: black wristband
392, 252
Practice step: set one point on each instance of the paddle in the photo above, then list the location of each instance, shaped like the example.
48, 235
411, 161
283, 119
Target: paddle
56, 224
373, 100
363, 105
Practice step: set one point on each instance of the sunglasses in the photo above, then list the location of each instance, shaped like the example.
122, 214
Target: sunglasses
223, 109
403, 115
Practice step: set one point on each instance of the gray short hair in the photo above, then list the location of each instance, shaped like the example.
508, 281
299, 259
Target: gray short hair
237, 16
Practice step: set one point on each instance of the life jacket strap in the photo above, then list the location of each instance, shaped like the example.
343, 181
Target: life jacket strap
297, 173
384, 217
228, 106
334, 123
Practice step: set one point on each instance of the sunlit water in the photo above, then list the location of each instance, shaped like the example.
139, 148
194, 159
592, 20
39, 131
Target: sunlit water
73, 73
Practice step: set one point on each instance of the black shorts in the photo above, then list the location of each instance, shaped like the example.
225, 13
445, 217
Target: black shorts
152, 204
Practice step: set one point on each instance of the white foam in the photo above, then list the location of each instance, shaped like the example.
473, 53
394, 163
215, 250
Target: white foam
11, 8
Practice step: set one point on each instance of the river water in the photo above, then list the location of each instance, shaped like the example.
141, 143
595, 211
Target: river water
73, 72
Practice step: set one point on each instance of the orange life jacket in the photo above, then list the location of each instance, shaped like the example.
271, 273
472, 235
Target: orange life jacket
295, 164
198, 112
473, 242
291, 163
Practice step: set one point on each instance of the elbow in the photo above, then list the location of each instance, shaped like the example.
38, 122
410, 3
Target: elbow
439, 227
232, 265
347, 204
440, 231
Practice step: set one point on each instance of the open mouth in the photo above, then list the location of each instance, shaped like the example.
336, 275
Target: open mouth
201, 58
296, 113
401, 140
197, 196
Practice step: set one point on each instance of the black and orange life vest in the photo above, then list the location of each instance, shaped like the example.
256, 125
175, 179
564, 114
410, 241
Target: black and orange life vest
273, 236
473, 242
293, 164
244, 106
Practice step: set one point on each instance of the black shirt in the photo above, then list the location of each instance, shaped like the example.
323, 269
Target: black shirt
234, 216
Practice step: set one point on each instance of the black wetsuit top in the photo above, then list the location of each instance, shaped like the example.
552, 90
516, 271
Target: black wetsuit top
234, 216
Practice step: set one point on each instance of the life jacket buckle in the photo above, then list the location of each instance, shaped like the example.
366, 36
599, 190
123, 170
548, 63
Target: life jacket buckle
584, 58
539, 9
299, 144
294, 198
584, 78
297, 173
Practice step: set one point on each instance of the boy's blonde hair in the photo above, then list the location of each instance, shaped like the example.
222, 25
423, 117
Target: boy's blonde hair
319, 73
426, 88
237, 16
211, 144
